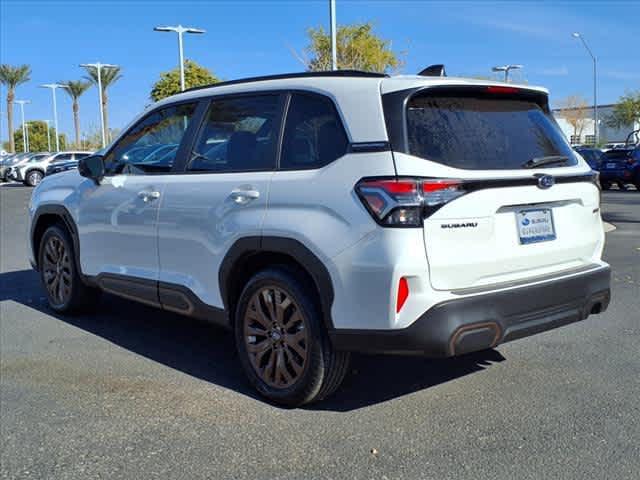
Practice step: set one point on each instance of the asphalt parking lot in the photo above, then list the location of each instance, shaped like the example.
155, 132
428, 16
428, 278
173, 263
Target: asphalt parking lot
131, 392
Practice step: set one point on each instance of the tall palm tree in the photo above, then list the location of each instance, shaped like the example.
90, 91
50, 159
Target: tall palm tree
75, 89
12, 77
108, 76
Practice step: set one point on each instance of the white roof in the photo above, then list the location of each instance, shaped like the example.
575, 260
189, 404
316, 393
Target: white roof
363, 117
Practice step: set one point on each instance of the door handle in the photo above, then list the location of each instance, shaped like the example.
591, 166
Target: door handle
244, 195
148, 195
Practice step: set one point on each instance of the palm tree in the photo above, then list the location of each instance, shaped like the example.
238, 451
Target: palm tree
12, 77
108, 76
75, 89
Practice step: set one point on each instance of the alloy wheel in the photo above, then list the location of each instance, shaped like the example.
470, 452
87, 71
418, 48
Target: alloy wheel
276, 337
35, 178
56, 270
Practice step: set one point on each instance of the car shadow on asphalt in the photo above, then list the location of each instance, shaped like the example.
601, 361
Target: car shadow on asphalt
15, 185
207, 352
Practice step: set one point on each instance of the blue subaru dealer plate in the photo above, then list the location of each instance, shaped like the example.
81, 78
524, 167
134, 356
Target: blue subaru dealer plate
535, 225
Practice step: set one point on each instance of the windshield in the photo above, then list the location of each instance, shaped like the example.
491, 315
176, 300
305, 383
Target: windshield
483, 133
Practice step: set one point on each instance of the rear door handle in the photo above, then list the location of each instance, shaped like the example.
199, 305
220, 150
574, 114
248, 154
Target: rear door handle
148, 195
245, 194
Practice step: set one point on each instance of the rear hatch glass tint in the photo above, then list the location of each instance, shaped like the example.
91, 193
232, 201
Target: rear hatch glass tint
617, 155
483, 132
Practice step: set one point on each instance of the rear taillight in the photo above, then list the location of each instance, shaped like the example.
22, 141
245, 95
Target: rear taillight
405, 202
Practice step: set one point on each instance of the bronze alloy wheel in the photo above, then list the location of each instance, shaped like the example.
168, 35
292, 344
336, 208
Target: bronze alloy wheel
56, 270
276, 337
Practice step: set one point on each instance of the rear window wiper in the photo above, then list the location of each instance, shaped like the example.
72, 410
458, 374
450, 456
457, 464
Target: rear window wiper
548, 160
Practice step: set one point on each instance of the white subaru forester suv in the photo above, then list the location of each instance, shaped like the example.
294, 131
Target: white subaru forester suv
319, 214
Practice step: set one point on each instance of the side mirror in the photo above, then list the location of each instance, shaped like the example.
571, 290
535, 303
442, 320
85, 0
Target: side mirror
92, 167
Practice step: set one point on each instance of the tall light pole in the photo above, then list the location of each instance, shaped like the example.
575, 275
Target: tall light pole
48, 136
595, 85
334, 48
99, 66
27, 129
506, 69
180, 30
54, 87
24, 127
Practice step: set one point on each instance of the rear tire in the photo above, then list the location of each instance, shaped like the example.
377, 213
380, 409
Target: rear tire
605, 185
281, 341
33, 178
66, 292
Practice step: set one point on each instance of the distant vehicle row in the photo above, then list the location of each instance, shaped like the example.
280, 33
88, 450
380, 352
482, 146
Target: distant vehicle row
31, 168
618, 165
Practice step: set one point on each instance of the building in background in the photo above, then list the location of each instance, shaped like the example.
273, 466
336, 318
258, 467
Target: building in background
584, 134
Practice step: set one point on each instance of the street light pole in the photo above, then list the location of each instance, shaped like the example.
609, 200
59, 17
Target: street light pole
332, 17
595, 86
506, 69
180, 30
99, 66
27, 129
24, 127
53, 87
48, 136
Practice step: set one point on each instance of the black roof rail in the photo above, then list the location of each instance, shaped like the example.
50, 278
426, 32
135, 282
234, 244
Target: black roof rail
324, 73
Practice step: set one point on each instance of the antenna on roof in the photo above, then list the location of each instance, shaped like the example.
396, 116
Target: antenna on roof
434, 71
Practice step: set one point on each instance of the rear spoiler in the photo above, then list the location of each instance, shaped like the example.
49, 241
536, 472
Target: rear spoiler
433, 71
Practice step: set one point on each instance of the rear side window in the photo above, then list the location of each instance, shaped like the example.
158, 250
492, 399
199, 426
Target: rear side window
63, 157
482, 133
313, 136
239, 134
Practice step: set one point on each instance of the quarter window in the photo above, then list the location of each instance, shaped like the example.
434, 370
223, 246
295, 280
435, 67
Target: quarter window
151, 145
313, 136
239, 134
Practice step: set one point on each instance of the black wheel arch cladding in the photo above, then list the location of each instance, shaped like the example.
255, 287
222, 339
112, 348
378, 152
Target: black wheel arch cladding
245, 248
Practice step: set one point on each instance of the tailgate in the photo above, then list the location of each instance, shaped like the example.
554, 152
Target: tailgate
505, 197
480, 238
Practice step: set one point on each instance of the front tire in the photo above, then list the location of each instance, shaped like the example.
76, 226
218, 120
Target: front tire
59, 273
33, 178
283, 347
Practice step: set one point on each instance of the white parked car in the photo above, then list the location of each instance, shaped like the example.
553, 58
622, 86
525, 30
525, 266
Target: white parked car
7, 164
324, 213
33, 171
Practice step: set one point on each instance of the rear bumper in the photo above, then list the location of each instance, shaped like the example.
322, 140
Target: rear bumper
474, 323
616, 175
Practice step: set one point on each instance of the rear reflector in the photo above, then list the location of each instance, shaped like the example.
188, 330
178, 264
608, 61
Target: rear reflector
403, 294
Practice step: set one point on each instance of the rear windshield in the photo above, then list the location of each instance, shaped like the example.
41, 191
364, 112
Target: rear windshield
618, 154
483, 133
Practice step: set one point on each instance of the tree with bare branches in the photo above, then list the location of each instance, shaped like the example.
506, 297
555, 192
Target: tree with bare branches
575, 111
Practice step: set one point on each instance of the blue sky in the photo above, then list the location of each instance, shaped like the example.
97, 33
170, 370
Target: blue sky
246, 38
